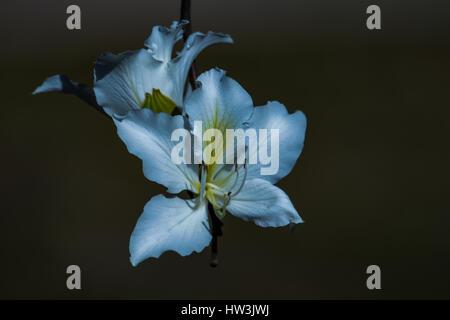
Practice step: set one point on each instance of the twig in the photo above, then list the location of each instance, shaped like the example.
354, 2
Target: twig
185, 14
216, 224
216, 232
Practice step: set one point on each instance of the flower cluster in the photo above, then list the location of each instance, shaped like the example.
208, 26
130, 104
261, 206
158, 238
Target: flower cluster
143, 91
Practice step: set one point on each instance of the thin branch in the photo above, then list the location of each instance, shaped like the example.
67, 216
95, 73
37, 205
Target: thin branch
185, 14
216, 232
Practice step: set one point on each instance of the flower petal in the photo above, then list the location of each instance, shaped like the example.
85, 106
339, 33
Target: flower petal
291, 128
54, 83
169, 224
195, 44
161, 41
264, 204
220, 102
121, 81
148, 136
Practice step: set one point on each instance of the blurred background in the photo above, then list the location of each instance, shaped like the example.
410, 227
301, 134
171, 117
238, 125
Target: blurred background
372, 183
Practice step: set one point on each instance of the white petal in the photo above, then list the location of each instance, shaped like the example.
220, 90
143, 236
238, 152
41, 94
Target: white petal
291, 128
121, 81
162, 40
196, 43
169, 224
220, 102
148, 136
264, 204
53, 83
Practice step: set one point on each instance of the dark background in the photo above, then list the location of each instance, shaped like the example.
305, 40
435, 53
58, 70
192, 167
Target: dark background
372, 183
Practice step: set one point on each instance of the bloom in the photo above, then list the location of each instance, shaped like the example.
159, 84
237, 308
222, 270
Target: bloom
145, 78
183, 225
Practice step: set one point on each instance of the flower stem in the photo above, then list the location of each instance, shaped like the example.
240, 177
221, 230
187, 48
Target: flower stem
216, 232
216, 224
185, 14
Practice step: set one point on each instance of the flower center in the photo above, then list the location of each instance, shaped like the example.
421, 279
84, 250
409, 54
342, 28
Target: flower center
220, 184
158, 102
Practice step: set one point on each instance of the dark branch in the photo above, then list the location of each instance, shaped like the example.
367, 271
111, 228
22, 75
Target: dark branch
216, 232
185, 14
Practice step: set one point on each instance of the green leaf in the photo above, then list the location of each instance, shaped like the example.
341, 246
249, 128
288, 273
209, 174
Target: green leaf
158, 102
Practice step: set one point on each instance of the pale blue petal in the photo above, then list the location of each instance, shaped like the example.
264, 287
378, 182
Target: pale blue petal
219, 103
195, 44
169, 224
292, 128
54, 83
147, 135
161, 41
264, 204
121, 81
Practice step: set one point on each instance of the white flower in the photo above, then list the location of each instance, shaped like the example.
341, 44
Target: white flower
182, 225
142, 78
